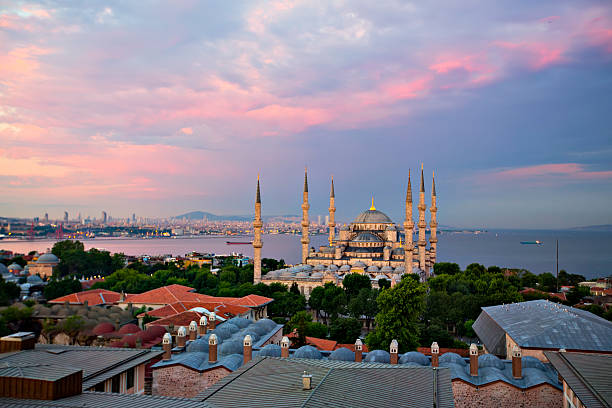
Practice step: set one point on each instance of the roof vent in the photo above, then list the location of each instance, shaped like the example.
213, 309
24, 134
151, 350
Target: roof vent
306, 381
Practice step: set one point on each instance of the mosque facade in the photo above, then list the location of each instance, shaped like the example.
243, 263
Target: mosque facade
372, 245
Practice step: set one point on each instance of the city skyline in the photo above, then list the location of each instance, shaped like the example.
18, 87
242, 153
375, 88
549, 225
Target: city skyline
169, 109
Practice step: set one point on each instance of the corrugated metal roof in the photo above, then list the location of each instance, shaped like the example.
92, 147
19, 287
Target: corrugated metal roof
588, 375
548, 325
107, 400
273, 382
97, 363
46, 372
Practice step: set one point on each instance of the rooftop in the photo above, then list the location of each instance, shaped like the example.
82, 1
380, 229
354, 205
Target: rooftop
93, 297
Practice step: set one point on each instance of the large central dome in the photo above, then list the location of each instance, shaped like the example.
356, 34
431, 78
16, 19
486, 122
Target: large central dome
372, 217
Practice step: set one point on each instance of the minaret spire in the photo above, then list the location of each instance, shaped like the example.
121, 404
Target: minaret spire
305, 206
433, 223
332, 214
422, 224
408, 229
257, 243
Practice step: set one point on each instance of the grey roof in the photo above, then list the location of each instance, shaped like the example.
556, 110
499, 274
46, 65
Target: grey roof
367, 237
588, 375
274, 382
542, 324
3, 269
47, 258
342, 354
107, 400
98, 363
15, 266
372, 217
45, 372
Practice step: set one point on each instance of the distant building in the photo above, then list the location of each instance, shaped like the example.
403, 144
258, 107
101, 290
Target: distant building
66, 216
45, 265
587, 378
91, 297
539, 325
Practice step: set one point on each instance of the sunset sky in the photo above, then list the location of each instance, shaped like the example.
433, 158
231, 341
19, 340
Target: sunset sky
162, 108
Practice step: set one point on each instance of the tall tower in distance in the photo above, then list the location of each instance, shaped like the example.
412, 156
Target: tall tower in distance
305, 206
422, 224
104, 217
433, 223
257, 244
408, 229
66, 216
332, 214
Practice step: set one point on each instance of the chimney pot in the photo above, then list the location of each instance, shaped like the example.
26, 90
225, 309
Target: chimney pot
358, 351
181, 336
393, 352
247, 348
212, 321
212, 348
435, 354
203, 324
306, 381
474, 360
167, 346
517, 367
285, 347
193, 330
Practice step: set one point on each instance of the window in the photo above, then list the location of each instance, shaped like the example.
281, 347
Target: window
130, 378
115, 383
99, 387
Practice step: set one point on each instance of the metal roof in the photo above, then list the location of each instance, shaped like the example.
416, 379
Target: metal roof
273, 382
97, 363
544, 324
588, 375
107, 400
45, 372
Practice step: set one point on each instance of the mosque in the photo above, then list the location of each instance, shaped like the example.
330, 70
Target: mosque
372, 245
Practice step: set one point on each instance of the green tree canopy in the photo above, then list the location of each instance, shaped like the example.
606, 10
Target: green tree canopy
345, 330
354, 282
58, 288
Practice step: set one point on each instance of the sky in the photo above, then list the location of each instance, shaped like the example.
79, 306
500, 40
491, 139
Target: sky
159, 108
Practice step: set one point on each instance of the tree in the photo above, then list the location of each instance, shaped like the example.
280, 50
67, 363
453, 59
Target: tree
446, 268
364, 305
299, 322
334, 301
400, 307
476, 269
8, 292
547, 282
384, 283
354, 282
345, 330
58, 288
528, 279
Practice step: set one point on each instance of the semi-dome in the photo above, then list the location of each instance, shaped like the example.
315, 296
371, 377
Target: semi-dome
367, 237
372, 217
47, 258
372, 269
344, 268
15, 267
307, 352
378, 356
342, 354
414, 357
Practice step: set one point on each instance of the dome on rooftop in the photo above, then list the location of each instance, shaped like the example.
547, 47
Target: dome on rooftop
198, 346
319, 267
452, 358
378, 356
34, 280
333, 268
344, 268
129, 328
317, 275
532, 362
239, 322
270, 350
103, 328
231, 347
48, 258
302, 275
14, 267
398, 251
372, 269
342, 354
414, 357
386, 269
307, 352
367, 237
267, 323
490, 360
359, 264
372, 217
226, 330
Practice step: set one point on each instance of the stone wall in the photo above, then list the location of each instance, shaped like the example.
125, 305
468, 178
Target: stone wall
179, 381
501, 394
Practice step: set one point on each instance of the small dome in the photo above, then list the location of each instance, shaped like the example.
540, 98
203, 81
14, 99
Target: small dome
239, 322
386, 269
103, 328
380, 277
400, 269
378, 356
226, 330
372, 217
129, 328
3, 269
268, 324
344, 268
48, 258
367, 237
359, 264
156, 331
414, 357
199, 346
532, 362
372, 269
319, 267
307, 352
332, 268
302, 275
398, 251
317, 275
270, 350
34, 280
306, 268
489, 360
452, 358
231, 347
272, 274
391, 228
287, 273
15, 267
342, 354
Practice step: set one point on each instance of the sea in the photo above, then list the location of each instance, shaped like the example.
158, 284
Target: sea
587, 253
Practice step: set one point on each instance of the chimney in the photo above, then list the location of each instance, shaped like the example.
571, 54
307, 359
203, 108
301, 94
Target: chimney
473, 360
122, 297
212, 321
212, 348
181, 336
306, 381
202, 328
435, 353
167, 346
17, 341
358, 351
193, 330
393, 351
285, 347
517, 369
248, 348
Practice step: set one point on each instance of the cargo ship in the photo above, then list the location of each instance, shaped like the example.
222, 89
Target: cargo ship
531, 242
238, 242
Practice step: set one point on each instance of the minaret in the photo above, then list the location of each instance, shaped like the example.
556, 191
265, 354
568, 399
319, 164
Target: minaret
433, 223
332, 214
422, 225
408, 229
257, 244
305, 241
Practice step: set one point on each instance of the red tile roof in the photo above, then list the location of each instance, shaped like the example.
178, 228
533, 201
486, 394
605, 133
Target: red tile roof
181, 319
225, 311
93, 297
351, 347
89, 283
321, 344
551, 294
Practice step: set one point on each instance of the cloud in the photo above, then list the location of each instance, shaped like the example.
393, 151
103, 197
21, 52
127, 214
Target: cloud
559, 171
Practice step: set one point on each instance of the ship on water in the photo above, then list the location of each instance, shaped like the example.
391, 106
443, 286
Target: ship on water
532, 243
238, 242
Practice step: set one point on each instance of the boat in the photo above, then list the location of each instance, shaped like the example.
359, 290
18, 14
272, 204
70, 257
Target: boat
531, 242
238, 242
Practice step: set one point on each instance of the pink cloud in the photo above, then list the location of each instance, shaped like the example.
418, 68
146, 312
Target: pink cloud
574, 171
536, 55
187, 130
289, 118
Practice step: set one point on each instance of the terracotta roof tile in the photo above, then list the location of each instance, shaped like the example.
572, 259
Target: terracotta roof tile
93, 297
225, 311
180, 319
165, 295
